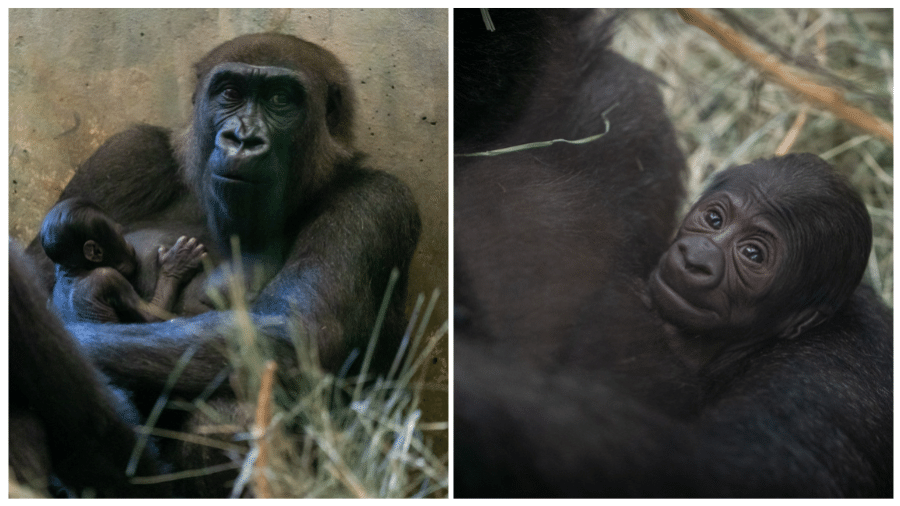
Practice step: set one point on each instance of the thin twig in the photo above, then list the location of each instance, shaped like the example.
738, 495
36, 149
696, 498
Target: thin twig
263, 418
788, 142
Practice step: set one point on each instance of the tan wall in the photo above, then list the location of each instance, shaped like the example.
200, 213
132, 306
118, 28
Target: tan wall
77, 77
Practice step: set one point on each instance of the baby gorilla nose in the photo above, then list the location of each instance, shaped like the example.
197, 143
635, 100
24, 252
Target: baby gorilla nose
703, 262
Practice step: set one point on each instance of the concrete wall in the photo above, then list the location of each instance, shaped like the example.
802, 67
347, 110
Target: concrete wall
77, 77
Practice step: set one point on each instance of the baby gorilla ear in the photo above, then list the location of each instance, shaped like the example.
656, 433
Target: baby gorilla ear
801, 321
92, 251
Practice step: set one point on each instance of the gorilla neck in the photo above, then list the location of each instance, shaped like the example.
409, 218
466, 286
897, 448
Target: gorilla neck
699, 351
237, 238
705, 351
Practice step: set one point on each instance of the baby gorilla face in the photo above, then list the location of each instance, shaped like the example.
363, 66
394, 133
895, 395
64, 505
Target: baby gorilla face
121, 255
715, 276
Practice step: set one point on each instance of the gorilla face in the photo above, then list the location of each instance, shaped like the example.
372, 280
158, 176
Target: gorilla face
121, 255
716, 275
250, 122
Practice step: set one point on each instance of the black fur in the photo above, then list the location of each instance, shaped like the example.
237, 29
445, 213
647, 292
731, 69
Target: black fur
65, 420
535, 231
807, 417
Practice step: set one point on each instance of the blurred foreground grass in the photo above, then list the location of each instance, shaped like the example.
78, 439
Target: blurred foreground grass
333, 435
727, 113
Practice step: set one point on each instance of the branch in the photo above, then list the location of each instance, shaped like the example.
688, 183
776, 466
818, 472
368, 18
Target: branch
828, 98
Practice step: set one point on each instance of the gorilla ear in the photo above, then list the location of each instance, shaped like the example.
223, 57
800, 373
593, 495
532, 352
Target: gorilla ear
339, 114
92, 251
333, 109
798, 323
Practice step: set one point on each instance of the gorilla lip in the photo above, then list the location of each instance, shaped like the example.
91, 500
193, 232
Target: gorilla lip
238, 168
232, 173
232, 179
671, 301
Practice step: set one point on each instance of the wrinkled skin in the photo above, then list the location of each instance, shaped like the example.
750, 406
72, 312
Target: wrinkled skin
721, 265
736, 263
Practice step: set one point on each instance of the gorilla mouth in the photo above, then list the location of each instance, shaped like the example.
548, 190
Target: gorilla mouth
224, 169
675, 307
232, 178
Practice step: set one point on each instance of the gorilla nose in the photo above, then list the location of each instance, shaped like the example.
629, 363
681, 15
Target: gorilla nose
703, 261
234, 143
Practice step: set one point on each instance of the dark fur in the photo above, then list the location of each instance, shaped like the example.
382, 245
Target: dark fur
69, 225
539, 230
808, 417
343, 229
64, 419
565, 384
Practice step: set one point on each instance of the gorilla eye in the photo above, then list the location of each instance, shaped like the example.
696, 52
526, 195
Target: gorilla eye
280, 99
231, 93
713, 219
753, 254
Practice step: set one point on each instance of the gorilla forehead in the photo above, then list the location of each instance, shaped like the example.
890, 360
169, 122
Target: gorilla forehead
275, 50
255, 74
764, 190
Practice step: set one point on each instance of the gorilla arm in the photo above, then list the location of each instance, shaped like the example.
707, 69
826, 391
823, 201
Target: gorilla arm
786, 423
335, 277
124, 178
72, 423
331, 285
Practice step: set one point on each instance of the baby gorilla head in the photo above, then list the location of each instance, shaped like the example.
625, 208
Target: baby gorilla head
771, 248
78, 235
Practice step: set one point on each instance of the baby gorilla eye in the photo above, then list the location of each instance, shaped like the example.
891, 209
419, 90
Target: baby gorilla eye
753, 254
713, 219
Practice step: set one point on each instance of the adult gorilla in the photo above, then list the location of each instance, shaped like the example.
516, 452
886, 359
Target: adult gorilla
64, 419
269, 160
538, 230
565, 383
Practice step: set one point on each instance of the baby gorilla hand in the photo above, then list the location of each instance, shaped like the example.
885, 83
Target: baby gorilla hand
181, 262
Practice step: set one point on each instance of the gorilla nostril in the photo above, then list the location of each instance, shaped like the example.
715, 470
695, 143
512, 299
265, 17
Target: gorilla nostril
253, 143
229, 139
234, 143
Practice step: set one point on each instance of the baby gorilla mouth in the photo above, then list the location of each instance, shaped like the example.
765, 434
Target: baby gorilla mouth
675, 307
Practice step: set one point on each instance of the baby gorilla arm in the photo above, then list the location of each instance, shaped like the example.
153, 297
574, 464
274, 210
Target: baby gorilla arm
105, 295
176, 267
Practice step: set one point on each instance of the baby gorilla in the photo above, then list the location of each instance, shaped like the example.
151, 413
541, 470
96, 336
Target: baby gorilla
771, 249
94, 262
